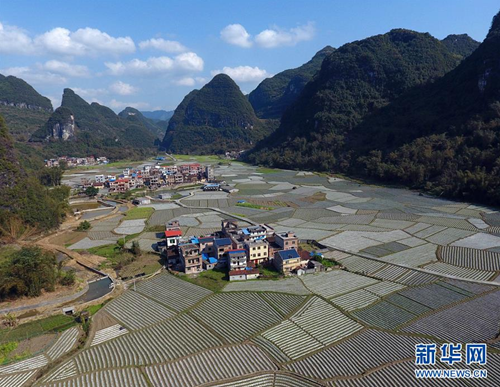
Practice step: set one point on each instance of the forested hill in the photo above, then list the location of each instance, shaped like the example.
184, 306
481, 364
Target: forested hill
462, 44
356, 80
275, 94
214, 119
23, 200
23, 108
445, 136
80, 128
156, 127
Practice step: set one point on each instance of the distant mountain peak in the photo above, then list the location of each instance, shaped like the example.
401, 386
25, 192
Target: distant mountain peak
495, 26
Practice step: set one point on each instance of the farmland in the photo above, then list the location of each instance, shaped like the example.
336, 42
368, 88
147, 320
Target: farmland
404, 258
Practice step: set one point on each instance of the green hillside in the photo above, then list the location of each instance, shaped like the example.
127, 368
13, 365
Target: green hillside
215, 119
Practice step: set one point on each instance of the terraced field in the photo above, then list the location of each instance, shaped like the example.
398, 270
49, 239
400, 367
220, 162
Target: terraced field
137, 311
352, 327
236, 316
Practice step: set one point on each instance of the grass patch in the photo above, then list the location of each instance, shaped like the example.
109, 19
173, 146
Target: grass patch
255, 206
269, 272
36, 328
139, 213
93, 309
267, 170
213, 280
176, 196
235, 214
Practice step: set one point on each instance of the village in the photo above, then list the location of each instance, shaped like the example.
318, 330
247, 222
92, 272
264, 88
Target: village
151, 177
238, 250
72, 162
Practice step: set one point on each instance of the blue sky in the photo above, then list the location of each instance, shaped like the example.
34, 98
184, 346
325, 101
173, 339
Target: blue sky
150, 54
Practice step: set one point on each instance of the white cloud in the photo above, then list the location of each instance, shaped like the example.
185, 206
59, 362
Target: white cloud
14, 40
92, 95
170, 46
188, 61
33, 76
186, 81
189, 81
70, 70
114, 104
84, 41
122, 88
61, 41
276, 37
236, 35
244, 73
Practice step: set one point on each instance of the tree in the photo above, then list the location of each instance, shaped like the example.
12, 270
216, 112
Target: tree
83, 226
136, 249
91, 191
28, 272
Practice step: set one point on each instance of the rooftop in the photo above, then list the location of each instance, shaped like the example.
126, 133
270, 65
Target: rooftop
288, 254
222, 242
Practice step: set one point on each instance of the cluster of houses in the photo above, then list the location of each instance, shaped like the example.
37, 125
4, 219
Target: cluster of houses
72, 162
152, 177
239, 250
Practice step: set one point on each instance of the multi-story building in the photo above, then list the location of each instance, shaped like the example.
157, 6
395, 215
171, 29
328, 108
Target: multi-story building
255, 232
237, 259
100, 179
190, 257
286, 260
222, 246
257, 251
119, 185
287, 240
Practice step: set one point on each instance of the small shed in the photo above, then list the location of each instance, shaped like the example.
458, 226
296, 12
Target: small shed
237, 275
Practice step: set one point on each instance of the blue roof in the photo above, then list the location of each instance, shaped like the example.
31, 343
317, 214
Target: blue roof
194, 240
206, 239
222, 242
212, 185
288, 254
237, 252
205, 257
245, 231
212, 260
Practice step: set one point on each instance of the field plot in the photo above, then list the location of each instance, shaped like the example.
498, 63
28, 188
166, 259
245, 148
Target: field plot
461, 272
367, 350
362, 265
304, 332
288, 285
448, 236
65, 342
67, 370
469, 286
108, 333
384, 288
285, 303
335, 283
412, 278
384, 315
470, 258
154, 344
136, 311
415, 256
230, 362
16, 380
400, 374
390, 272
475, 320
24, 365
172, 292
433, 295
407, 304
355, 300
332, 326
293, 341
108, 378
237, 316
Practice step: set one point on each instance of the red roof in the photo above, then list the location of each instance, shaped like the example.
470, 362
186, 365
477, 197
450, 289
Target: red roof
243, 272
173, 233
